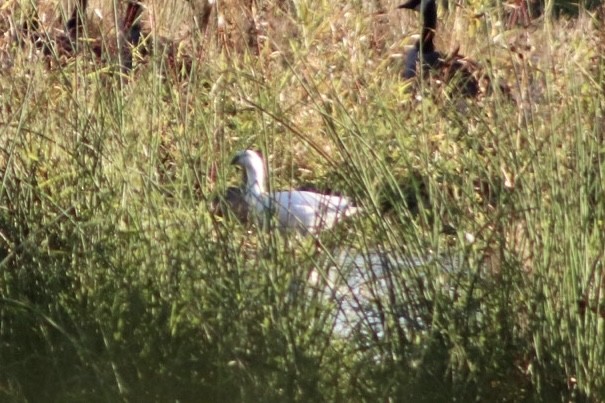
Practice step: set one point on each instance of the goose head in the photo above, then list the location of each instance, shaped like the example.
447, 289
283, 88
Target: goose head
428, 9
254, 166
411, 5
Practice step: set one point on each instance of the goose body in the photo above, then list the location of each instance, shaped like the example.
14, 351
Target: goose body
303, 211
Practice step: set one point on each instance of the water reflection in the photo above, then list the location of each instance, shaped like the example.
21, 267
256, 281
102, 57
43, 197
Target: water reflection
378, 292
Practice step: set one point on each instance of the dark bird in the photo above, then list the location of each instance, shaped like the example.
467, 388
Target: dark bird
60, 42
424, 47
132, 34
131, 25
75, 24
448, 67
135, 36
234, 200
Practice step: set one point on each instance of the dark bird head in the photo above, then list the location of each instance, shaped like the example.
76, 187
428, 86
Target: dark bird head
428, 9
411, 5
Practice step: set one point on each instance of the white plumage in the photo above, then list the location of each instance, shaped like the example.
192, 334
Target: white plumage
303, 211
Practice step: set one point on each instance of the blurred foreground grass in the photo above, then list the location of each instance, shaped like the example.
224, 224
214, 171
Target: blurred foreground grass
117, 281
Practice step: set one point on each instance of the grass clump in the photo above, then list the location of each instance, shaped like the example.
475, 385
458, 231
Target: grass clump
473, 273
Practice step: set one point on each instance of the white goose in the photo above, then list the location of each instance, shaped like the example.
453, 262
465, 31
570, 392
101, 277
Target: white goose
303, 211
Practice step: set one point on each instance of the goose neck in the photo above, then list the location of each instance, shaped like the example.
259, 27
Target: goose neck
426, 44
255, 183
429, 26
429, 16
255, 189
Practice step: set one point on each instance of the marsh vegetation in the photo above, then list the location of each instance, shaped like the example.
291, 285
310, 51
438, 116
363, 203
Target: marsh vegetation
477, 259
